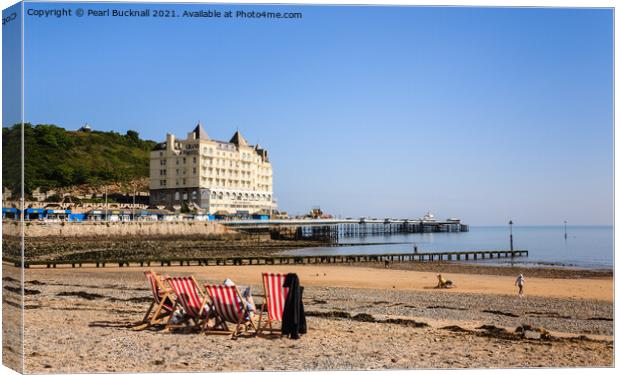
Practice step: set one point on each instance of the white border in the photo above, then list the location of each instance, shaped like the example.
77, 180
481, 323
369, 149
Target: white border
474, 3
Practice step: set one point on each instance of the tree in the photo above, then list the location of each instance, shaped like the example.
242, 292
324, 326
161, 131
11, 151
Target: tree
133, 135
184, 207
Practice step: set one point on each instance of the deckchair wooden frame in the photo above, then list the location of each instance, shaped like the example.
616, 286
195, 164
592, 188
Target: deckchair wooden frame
221, 320
265, 306
161, 295
197, 319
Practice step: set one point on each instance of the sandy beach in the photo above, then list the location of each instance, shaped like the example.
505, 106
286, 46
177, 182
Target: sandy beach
359, 317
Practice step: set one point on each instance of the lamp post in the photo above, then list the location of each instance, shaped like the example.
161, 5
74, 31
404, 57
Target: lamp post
511, 247
133, 207
106, 203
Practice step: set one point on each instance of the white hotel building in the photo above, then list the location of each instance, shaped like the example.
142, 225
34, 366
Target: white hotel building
231, 176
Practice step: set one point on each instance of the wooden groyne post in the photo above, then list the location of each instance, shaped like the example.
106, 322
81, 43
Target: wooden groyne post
282, 259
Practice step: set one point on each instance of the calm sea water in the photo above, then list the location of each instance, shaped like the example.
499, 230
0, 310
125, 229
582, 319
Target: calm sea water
585, 247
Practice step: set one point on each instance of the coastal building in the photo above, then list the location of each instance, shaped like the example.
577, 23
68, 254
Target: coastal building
231, 177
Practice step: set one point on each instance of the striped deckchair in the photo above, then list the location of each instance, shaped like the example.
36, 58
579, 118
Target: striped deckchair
192, 300
275, 295
163, 302
230, 307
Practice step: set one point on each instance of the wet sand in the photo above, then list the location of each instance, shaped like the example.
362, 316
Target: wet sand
358, 317
600, 288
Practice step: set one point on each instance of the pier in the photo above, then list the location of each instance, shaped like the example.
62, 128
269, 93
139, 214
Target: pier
282, 259
331, 230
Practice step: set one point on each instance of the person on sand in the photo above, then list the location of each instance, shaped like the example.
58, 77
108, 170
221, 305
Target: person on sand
520, 282
443, 283
246, 296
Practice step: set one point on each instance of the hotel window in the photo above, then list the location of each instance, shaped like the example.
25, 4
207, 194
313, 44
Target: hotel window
183, 181
194, 160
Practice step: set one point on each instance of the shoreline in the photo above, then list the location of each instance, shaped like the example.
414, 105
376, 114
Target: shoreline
493, 269
523, 263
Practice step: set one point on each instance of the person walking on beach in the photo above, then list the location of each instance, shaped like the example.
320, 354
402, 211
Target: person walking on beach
520, 282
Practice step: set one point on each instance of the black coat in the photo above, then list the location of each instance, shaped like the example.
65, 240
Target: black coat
293, 317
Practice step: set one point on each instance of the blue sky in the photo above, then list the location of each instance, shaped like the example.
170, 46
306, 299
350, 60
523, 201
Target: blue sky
482, 113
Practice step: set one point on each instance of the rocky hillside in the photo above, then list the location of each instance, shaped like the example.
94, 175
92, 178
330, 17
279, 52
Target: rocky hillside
86, 160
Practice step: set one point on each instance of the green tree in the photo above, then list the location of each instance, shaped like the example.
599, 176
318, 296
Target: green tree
184, 207
55, 157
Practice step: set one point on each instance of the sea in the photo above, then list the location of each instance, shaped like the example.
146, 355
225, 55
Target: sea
583, 247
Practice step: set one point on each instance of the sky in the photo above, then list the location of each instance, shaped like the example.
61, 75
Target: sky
487, 114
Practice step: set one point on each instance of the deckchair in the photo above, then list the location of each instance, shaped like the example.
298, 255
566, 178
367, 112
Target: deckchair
229, 307
163, 302
275, 295
192, 300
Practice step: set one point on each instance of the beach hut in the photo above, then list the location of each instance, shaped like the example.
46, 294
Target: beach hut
260, 215
202, 217
10, 213
221, 215
57, 214
114, 215
77, 216
242, 215
186, 217
125, 215
198, 214
169, 216
34, 214
147, 215
95, 215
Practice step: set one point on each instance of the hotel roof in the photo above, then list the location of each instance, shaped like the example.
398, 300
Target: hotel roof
238, 139
200, 132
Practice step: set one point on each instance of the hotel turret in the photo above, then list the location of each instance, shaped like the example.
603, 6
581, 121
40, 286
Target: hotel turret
232, 177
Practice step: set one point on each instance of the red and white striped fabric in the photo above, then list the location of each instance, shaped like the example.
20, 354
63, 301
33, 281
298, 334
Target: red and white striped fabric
157, 291
226, 302
275, 294
187, 293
